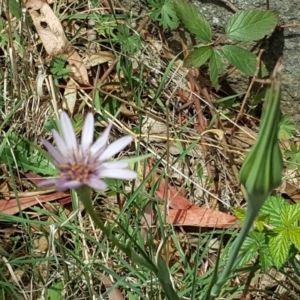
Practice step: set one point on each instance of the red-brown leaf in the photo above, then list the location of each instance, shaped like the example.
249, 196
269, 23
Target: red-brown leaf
201, 217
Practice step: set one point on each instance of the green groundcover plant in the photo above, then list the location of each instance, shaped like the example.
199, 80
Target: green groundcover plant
243, 26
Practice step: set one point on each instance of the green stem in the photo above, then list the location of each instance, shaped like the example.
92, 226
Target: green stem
84, 195
253, 207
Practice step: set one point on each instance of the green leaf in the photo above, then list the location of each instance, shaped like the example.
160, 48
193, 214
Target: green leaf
243, 59
193, 20
227, 102
273, 207
261, 220
251, 25
240, 213
295, 236
286, 127
55, 291
264, 257
130, 43
164, 13
293, 156
279, 248
251, 246
198, 57
14, 8
290, 214
216, 67
24, 154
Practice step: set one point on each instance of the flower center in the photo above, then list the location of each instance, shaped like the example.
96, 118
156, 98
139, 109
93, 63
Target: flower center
78, 168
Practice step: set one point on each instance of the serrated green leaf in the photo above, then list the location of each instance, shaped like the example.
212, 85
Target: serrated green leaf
295, 236
251, 25
198, 57
290, 214
273, 207
261, 220
293, 156
164, 13
216, 67
249, 251
286, 127
251, 246
264, 257
193, 20
240, 213
243, 60
279, 248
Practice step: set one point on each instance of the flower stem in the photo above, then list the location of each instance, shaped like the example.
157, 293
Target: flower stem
253, 207
84, 195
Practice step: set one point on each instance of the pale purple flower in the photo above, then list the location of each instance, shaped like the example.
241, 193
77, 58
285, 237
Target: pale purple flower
85, 163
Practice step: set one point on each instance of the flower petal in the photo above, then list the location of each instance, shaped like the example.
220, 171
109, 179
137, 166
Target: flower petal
96, 183
60, 143
115, 165
67, 184
118, 174
58, 159
68, 131
87, 132
115, 147
47, 182
101, 141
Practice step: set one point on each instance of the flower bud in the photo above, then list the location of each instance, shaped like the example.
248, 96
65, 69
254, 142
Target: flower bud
262, 167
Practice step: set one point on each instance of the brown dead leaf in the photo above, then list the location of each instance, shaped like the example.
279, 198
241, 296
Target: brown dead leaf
70, 96
54, 39
176, 201
99, 58
47, 26
115, 294
183, 212
147, 220
201, 217
11, 206
76, 65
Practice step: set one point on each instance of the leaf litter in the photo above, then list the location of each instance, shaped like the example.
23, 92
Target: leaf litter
177, 128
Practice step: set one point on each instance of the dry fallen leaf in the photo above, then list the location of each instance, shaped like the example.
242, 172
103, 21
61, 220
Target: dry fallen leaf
98, 58
183, 212
70, 96
201, 217
115, 293
54, 39
47, 26
11, 206
76, 65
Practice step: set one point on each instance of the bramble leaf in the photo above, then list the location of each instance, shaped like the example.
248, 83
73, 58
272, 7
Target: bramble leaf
273, 207
216, 67
290, 214
264, 257
242, 59
295, 236
164, 13
279, 248
198, 57
193, 20
251, 246
251, 25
